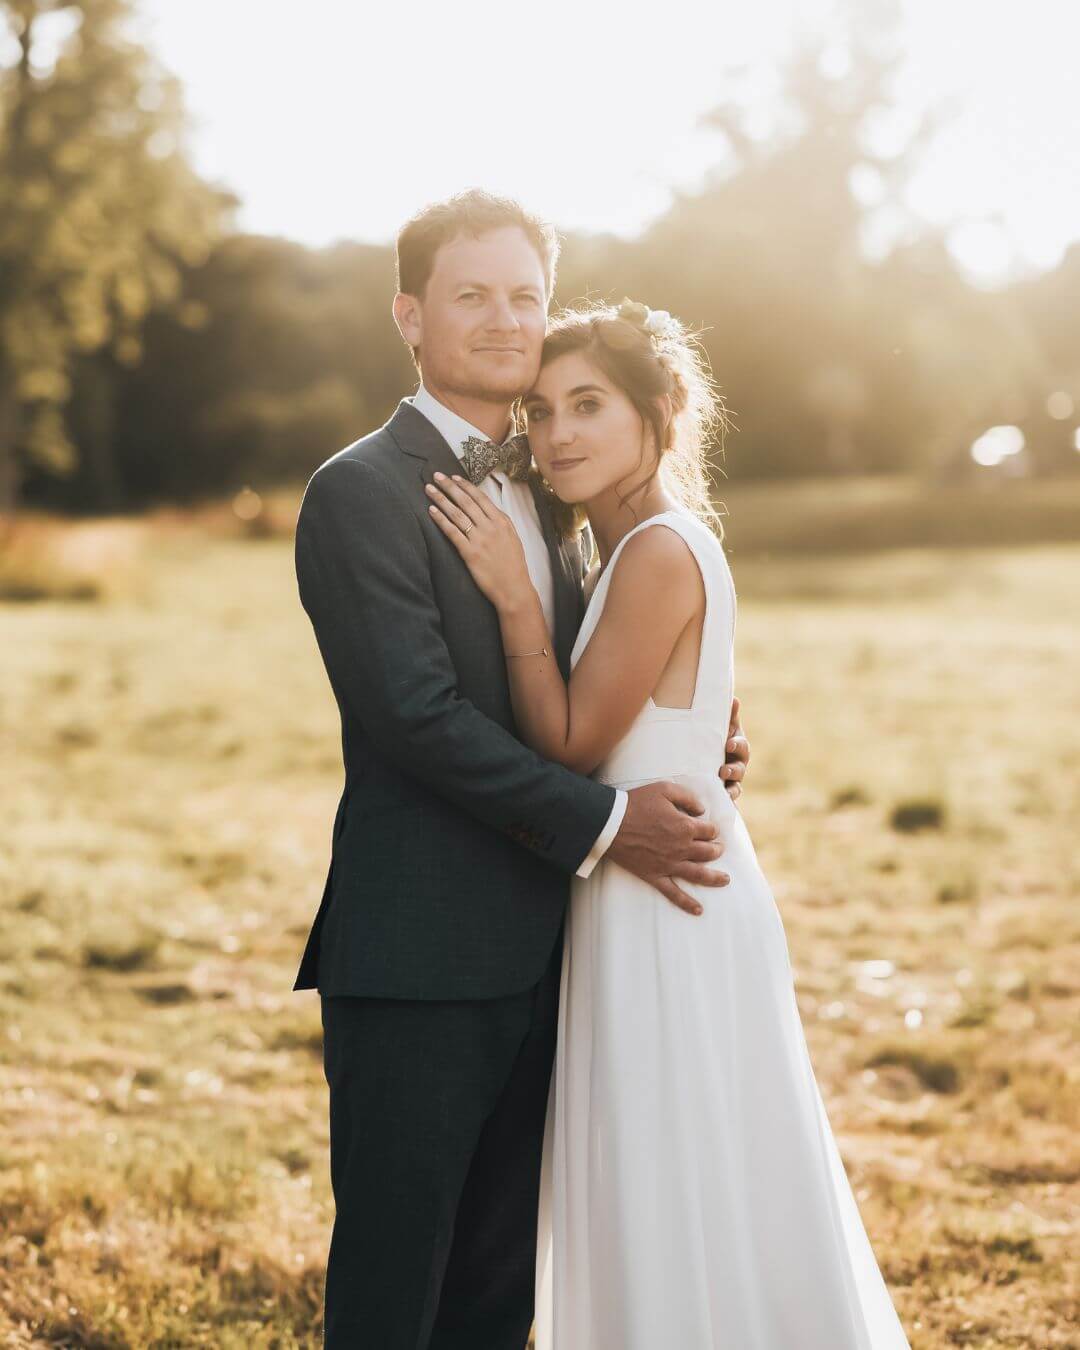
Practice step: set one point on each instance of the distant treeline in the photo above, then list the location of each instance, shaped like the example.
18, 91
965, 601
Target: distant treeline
295, 354
147, 353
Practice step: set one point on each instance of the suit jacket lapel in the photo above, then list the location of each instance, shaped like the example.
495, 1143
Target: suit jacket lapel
416, 436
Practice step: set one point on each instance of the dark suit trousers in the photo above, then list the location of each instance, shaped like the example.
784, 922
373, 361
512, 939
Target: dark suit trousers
436, 1130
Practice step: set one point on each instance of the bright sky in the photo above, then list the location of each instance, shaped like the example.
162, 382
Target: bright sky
336, 120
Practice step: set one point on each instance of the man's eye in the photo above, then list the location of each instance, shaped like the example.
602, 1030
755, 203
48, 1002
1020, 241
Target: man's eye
469, 295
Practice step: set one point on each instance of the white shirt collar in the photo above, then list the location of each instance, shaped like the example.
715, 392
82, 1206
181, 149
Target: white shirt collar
454, 429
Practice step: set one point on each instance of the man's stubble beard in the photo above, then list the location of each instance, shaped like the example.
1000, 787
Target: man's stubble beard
489, 392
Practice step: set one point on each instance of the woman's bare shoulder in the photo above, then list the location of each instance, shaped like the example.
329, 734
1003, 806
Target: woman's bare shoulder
658, 564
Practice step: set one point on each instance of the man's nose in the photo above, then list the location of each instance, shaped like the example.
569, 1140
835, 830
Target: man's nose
501, 316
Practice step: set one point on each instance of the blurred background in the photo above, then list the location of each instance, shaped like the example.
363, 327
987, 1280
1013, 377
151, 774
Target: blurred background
872, 210
871, 213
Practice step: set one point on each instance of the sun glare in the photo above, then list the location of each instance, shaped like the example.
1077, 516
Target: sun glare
997, 444
363, 136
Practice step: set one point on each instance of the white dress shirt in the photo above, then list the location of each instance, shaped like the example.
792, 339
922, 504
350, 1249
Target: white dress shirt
516, 500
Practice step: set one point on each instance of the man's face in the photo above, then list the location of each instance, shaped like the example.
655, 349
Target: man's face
480, 324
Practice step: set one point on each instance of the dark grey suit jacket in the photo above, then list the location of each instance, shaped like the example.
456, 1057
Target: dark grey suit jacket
454, 842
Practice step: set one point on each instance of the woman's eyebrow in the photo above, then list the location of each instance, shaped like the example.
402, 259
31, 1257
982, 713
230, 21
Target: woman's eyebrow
585, 389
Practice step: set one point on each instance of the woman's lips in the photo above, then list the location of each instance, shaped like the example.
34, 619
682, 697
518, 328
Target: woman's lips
566, 463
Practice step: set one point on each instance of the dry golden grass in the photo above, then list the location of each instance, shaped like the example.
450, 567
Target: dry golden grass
915, 721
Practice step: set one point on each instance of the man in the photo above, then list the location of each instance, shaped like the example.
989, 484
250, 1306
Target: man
437, 946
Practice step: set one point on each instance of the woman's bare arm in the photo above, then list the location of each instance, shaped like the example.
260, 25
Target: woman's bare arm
655, 591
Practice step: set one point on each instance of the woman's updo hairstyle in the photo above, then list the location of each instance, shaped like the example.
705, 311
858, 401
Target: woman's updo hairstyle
647, 354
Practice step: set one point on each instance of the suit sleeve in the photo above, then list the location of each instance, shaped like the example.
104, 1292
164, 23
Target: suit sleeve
364, 580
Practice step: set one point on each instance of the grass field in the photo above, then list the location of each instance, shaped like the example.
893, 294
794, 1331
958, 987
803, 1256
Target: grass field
172, 766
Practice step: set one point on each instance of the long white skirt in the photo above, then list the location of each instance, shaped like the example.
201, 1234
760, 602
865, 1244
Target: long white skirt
692, 1193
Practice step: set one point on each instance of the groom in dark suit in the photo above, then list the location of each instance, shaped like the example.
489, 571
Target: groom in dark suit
437, 946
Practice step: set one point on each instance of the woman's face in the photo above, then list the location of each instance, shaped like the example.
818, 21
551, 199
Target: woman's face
584, 433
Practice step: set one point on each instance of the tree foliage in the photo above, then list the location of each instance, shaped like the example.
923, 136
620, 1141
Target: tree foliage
155, 363
101, 212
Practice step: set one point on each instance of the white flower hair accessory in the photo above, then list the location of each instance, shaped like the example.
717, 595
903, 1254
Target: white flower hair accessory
656, 322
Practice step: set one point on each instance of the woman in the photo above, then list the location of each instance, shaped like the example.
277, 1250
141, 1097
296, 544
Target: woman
692, 1194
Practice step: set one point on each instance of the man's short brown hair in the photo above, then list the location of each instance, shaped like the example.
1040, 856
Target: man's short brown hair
471, 213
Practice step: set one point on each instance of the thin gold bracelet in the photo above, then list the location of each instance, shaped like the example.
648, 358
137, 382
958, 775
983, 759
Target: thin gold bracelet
513, 656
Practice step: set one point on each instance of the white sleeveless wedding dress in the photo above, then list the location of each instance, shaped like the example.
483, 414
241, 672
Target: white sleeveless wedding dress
692, 1193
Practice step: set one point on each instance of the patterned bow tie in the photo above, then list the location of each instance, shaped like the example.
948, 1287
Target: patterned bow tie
512, 458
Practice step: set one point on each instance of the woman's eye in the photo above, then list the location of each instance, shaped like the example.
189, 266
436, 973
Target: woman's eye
588, 405
536, 414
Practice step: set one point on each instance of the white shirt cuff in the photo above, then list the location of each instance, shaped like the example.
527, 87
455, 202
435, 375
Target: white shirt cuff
606, 835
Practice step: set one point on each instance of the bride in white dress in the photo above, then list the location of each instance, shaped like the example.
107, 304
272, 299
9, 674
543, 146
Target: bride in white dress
692, 1193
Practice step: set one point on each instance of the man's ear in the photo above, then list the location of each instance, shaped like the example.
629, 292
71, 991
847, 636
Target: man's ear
407, 316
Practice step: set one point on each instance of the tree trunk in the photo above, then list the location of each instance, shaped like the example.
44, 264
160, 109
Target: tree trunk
10, 421
92, 420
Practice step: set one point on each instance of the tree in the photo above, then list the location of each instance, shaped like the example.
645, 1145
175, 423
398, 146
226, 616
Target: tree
298, 357
101, 212
771, 253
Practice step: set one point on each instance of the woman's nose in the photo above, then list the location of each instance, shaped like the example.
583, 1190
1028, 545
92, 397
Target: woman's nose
560, 433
